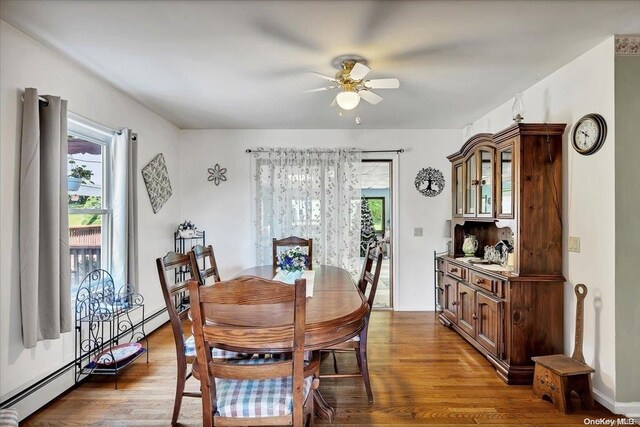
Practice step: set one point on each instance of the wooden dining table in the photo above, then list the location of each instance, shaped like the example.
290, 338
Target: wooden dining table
335, 313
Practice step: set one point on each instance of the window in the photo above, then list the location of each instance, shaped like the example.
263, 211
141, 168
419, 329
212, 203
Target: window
376, 206
90, 205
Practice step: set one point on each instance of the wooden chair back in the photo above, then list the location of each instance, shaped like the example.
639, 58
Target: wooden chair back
203, 264
174, 293
370, 275
285, 332
293, 241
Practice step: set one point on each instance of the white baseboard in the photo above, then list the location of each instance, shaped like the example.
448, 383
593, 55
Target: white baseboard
628, 409
413, 308
64, 382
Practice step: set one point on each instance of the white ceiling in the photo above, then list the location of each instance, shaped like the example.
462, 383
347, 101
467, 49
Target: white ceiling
242, 64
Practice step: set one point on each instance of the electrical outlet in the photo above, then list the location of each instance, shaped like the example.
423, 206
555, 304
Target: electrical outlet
417, 231
574, 244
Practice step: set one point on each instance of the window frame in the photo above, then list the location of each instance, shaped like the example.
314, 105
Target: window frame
88, 130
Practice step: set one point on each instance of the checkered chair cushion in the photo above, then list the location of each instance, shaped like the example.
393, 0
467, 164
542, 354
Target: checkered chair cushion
216, 353
8, 417
256, 398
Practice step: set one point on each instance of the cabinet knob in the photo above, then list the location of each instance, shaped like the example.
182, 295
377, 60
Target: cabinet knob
454, 269
479, 281
475, 316
454, 303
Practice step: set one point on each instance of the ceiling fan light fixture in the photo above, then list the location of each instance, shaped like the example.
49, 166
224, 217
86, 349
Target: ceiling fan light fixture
348, 100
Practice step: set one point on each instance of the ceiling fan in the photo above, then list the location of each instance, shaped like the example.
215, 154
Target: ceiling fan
353, 86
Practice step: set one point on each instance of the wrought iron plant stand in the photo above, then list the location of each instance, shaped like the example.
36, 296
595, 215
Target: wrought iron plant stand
107, 340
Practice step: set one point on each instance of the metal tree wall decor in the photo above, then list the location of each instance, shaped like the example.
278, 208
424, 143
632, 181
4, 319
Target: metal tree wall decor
217, 174
429, 182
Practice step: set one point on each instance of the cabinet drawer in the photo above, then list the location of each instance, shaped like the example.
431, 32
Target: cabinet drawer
482, 281
487, 283
457, 271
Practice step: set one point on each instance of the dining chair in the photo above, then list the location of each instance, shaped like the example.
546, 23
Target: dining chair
203, 261
255, 391
293, 241
367, 284
175, 294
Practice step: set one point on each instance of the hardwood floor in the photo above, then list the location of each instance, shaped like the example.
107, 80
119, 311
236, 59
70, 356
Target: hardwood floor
421, 373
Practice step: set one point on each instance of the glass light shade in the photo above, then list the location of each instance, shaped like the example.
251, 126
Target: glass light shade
348, 100
468, 130
517, 111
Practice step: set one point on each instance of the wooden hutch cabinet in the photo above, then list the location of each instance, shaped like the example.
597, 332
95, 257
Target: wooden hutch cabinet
507, 186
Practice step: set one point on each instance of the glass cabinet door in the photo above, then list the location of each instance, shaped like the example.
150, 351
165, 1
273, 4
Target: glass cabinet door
458, 194
505, 175
470, 185
485, 184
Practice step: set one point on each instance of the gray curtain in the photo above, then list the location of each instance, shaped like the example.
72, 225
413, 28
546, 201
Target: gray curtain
44, 230
125, 249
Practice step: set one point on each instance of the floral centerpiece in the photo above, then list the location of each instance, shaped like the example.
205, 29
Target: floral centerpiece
291, 263
187, 229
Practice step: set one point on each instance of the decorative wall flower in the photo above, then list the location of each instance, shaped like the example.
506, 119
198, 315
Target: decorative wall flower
217, 174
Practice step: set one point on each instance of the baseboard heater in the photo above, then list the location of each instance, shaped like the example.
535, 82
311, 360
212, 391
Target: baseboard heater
52, 376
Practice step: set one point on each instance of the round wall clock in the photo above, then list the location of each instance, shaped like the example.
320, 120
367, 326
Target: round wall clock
589, 134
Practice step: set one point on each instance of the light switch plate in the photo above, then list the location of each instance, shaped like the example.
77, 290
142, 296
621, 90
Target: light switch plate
574, 244
417, 231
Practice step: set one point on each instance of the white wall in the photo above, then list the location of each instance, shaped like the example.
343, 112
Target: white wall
26, 63
585, 85
224, 212
627, 231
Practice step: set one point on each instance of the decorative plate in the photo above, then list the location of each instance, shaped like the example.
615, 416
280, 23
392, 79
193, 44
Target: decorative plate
120, 353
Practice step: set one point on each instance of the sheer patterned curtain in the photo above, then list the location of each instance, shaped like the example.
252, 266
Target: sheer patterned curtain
310, 193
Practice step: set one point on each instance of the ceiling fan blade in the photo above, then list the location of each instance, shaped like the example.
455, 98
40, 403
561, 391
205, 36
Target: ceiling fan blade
359, 71
320, 89
370, 97
323, 76
382, 83
335, 101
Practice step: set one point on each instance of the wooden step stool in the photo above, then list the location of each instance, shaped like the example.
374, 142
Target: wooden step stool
556, 376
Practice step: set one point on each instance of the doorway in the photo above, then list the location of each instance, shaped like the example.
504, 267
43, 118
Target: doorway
377, 221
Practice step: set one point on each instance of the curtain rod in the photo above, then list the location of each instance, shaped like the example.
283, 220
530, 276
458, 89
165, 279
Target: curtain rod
400, 150
42, 99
